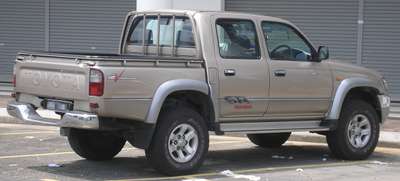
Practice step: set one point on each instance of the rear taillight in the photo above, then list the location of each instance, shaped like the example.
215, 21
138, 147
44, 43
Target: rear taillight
15, 80
96, 83
15, 75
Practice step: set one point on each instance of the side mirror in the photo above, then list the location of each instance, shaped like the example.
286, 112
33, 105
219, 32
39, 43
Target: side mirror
323, 53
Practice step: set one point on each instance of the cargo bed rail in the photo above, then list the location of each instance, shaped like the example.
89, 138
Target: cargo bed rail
92, 57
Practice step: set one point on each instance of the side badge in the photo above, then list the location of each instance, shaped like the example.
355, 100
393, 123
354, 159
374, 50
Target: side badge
240, 102
117, 77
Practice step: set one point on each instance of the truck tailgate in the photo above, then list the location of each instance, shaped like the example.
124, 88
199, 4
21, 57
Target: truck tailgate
52, 77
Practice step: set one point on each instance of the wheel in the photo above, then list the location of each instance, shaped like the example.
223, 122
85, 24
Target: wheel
358, 131
180, 142
95, 145
269, 140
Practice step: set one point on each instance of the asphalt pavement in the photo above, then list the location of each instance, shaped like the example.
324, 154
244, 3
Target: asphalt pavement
389, 135
39, 153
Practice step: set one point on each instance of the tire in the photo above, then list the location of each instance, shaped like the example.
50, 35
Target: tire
95, 145
358, 131
269, 140
180, 142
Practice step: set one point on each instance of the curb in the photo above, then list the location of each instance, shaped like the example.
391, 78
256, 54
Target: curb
386, 139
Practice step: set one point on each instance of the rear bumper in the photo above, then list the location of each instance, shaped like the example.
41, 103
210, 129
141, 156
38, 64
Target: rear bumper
71, 119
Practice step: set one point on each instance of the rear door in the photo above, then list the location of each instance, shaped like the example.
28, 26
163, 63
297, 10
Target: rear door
242, 70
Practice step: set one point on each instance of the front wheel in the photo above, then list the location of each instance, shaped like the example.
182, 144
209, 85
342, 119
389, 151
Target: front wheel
358, 131
95, 145
180, 142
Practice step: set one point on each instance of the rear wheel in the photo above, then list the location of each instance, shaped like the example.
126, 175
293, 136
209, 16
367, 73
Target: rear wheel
180, 142
269, 140
358, 131
95, 145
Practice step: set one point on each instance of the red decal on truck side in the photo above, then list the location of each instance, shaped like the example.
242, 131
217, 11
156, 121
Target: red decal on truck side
117, 77
243, 106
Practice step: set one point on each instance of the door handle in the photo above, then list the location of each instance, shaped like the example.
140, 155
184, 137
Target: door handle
229, 72
280, 73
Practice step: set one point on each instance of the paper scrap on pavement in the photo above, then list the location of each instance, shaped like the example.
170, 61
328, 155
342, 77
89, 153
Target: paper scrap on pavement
275, 156
54, 165
380, 163
231, 174
226, 172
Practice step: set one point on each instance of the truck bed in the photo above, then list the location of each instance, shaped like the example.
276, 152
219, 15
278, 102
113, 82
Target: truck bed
66, 77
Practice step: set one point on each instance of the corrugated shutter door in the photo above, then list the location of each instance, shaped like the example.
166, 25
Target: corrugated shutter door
381, 41
22, 27
328, 23
87, 26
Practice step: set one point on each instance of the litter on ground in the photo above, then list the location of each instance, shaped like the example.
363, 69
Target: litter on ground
231, 174
299, 170
53, 165
380, 163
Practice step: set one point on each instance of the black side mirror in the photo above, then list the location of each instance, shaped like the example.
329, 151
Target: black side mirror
323, 53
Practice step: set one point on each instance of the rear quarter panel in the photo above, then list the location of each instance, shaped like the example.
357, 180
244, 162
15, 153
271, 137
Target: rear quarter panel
130, 88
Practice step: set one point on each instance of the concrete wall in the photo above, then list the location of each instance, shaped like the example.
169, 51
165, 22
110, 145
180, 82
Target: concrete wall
217, 5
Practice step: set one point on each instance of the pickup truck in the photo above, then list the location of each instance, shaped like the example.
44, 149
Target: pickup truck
180, 75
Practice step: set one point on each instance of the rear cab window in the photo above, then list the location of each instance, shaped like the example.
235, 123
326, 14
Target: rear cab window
178, 34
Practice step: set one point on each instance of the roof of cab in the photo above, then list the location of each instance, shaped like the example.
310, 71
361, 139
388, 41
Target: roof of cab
206, 12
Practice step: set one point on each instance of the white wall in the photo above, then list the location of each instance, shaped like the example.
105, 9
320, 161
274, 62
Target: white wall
143, 5
217, 5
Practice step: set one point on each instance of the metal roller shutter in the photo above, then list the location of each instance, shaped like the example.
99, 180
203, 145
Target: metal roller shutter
381, 41
328, 23
334, 24
87, 26
22, 27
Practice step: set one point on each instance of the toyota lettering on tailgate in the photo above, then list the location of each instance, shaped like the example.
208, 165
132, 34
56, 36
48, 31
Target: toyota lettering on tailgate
52, 79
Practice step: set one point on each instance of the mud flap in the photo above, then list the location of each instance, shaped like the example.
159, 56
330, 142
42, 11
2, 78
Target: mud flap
140, 137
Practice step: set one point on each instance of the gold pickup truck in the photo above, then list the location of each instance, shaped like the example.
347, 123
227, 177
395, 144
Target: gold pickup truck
182, 74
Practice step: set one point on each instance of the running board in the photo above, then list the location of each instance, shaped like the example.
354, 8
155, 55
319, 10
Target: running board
279, 126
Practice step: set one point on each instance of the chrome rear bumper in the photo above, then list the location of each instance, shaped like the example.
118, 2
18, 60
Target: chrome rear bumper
71, 119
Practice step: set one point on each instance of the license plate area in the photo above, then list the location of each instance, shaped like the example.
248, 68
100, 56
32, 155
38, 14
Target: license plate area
57, 105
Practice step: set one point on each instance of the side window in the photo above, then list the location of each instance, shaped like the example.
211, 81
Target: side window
183, 32
284, 43
237, 39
